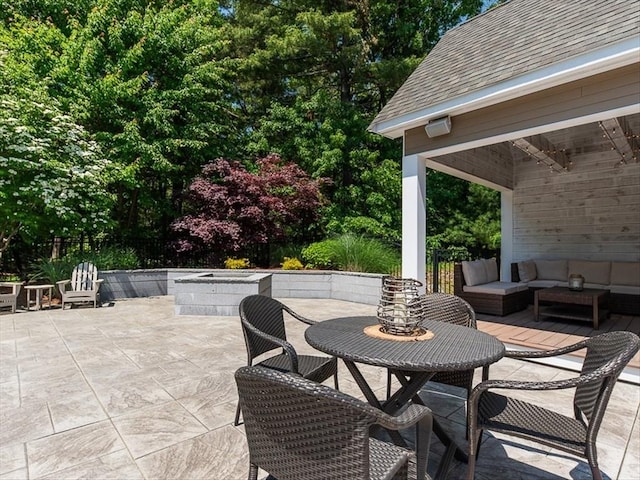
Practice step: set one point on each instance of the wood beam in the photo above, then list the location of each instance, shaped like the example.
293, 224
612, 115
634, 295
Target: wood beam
622, 139
540, 148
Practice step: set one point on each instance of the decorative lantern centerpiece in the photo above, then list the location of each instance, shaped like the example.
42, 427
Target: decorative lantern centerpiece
576, 282
401, 310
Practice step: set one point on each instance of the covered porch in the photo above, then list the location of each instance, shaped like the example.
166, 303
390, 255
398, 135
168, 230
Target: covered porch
547, 112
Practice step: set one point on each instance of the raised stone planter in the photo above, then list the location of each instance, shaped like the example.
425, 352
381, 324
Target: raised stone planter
348, 286
217, 293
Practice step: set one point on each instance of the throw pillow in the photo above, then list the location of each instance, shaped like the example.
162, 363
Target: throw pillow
491, 268
474, 273
527, 271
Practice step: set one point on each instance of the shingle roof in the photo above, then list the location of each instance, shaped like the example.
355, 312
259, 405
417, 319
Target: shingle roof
512, 39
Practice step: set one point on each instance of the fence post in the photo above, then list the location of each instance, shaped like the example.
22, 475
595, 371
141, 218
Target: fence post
435, 275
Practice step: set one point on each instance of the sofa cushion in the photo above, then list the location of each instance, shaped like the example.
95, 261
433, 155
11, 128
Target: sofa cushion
491, 269
474, 272
546, 283
625, 273
527, 271
593, 272
496, 288
626, 289
552, 270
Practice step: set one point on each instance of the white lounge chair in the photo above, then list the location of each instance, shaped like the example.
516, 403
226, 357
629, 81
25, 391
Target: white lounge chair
9, 292
84, 285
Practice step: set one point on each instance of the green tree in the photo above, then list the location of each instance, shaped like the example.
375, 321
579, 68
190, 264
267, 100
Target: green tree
148, 80
312, 77
52, 175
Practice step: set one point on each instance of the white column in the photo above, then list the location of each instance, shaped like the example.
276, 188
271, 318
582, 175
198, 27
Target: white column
414, 215
506, 234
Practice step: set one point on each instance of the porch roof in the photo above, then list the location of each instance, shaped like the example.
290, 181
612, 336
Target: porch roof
516, 48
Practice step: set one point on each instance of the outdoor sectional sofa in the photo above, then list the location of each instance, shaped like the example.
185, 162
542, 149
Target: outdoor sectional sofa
478, 283
622, 279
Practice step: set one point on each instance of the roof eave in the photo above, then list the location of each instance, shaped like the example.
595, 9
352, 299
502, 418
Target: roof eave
588, 64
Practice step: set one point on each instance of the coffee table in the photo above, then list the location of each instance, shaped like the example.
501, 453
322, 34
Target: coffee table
590, 304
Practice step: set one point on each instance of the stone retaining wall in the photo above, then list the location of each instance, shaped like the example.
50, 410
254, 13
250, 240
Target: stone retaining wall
348, 286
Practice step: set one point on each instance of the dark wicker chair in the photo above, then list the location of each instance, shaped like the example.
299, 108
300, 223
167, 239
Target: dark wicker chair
262, 320
606, 357
445, 307
299, 429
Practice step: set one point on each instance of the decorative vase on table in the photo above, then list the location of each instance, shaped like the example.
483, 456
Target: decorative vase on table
401, 310
576, 282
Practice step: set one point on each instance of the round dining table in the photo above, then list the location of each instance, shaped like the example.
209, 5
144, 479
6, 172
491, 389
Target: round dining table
446, 347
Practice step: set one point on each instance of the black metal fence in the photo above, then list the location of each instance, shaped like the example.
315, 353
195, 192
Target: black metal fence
160, 253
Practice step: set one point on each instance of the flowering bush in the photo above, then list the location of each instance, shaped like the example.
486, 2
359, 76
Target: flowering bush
292, 264
236, 263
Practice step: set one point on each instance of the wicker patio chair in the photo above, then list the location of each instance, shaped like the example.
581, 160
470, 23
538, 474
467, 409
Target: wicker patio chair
262, 320
606, 356
448, 308
299, 429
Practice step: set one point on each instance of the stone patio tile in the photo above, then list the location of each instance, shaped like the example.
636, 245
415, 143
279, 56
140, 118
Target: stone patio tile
157, 427
76, 410
58, 452
12, 457
26, 422
20, 474
220, 454
114, 466
211, 412
10, 394
216, 385
123, 398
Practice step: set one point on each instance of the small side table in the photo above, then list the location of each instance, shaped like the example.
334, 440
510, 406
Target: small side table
38, 290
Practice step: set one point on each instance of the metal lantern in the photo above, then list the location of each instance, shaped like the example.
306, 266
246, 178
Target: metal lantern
576, 282
401, 309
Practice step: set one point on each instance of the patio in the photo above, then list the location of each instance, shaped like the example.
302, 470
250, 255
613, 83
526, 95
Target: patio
132, 391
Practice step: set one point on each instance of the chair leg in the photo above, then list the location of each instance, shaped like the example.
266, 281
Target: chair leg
236, 422
253, 472
474, 449
592, 458
388, 384
335, 377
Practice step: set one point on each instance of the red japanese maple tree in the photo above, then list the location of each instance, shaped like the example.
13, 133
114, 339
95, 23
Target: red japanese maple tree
232, 207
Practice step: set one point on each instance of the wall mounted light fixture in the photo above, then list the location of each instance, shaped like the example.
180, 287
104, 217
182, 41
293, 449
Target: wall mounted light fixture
437, 127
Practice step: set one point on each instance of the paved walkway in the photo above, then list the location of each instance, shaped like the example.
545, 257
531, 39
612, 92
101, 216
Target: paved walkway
132, 391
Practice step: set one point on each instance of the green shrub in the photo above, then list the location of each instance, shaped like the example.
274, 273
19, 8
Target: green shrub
352, 253
320, 254
109, 258
51, 271
236, 263
291, 264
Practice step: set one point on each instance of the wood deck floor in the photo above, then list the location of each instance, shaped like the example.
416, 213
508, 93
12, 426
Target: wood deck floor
522, 330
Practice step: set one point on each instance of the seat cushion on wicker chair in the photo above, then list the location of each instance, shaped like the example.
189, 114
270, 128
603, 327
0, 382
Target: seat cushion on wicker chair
496, 288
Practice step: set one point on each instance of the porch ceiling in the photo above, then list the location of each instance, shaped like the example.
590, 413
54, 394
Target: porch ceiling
573, 141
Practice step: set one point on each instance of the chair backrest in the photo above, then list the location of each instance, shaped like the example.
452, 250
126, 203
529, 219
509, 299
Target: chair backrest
299, 429
84, 276
265, 314
448, 308
607, 355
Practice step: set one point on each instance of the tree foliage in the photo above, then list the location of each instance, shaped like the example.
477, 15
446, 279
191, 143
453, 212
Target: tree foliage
164, 87
52, 175
231, 207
